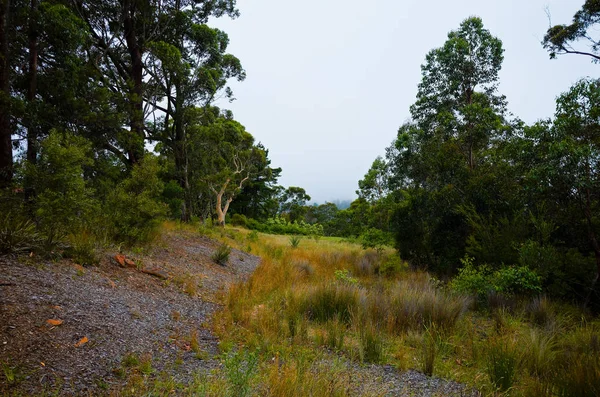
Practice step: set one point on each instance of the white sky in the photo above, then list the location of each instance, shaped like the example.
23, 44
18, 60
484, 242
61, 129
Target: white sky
330, 81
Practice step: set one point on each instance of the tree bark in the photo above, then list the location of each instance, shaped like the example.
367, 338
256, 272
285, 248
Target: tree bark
6, 159
136, 146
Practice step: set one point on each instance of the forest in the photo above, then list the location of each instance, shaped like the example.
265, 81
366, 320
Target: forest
109, 127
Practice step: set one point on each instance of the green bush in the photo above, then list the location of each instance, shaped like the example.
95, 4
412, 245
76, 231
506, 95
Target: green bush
239, 220
221, 254
134, 209
64, 202
375, 238
281, 226
509, 280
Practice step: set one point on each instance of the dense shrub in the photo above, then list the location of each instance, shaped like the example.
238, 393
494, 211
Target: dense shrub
509, 280
281, 226
134, 209
64, 201
375, 238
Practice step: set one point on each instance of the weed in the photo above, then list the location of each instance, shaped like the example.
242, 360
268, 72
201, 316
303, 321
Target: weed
252, 236
240, 368
221, 254
146, 364
501, 365
130, 360
539, 353
345, 277
17, 235
539, 311
329, 301
295, 241
370, 344
429, 351
82, 249
12, 374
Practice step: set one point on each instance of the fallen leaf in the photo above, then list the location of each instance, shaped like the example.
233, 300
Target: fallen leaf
43, 365
54, 322
82, 341
120, 260
129, 262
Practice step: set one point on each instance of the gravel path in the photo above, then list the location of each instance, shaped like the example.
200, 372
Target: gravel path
118, 310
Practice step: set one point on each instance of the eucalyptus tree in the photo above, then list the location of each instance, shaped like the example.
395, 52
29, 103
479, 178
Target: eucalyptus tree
6, 158
581, 32
124, 32
224, 159
188, 68
436, 158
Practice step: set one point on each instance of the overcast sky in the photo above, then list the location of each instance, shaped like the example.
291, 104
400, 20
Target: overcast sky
330, 81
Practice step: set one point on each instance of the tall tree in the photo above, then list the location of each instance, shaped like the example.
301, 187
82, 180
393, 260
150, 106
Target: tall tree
6, 159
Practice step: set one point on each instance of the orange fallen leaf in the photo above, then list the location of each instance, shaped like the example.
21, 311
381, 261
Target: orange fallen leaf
82, 341
54, 322
120, 259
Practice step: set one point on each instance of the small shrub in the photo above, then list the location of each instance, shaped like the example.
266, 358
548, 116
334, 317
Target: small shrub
370, 347
252, 236
239, 220
539, 311
345, 277
240, 367
368, 264
82, 249
391, 266
134, 210
17, 235
221, 254
375, 238
429, 351
501, 363
295, 241
329, 301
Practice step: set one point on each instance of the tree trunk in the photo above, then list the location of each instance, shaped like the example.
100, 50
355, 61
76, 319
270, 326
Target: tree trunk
180, 154
32, 133
6, 159
136, 146
594, 244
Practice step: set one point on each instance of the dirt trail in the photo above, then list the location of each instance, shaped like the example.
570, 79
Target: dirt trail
119, 311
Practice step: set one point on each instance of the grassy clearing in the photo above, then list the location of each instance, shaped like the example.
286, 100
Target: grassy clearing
331, 296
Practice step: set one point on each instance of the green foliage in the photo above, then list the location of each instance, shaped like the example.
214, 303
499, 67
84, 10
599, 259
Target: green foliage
134, 210
221, 254
239, 220
508, 280
295, 241
345, 277
240, 368
64, 201
281, 226
374, 238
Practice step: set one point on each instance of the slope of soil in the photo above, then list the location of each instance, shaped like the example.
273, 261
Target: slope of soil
118, 310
